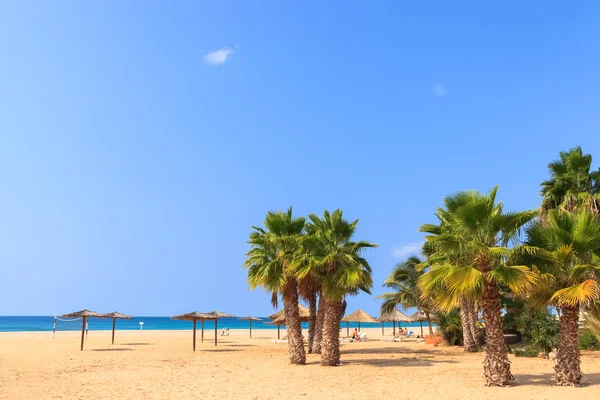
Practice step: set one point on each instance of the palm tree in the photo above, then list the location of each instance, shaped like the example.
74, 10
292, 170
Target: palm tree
342, 270
571, 185
268, 263
466, 304
474, 233
564, 251
403, 280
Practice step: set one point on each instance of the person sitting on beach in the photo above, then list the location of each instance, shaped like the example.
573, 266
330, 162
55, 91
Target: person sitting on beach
355, 335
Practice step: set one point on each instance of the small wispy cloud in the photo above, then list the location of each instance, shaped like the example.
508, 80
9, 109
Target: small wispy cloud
409, 249
218, 57
439, 90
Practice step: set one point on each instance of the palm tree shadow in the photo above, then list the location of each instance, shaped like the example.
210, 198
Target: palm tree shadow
546, 379
387, 350
396, 362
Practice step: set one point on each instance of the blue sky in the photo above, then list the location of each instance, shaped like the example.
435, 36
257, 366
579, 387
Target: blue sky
139, 141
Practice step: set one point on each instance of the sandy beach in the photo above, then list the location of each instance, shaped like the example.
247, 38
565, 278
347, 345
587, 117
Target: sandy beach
161, 365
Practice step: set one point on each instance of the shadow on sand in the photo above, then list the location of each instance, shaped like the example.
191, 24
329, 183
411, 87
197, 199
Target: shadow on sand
547, 379
136, 344
115, 349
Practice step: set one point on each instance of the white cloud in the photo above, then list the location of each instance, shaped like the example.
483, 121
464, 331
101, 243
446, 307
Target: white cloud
218, 57
409, 249
439, 90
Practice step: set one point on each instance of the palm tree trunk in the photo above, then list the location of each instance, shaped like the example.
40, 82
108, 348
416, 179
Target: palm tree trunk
318, 340
466, 314
312, 321
429, 323
496, 366
330, 350
292, 322
568, 364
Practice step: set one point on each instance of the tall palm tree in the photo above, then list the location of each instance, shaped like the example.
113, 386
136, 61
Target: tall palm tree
406, 293
342, 271
571, 185
564, 251
268, 263
476, 231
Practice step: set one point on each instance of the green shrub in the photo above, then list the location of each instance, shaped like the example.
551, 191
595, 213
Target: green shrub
539, 329
450, 326
588, 340
527, 351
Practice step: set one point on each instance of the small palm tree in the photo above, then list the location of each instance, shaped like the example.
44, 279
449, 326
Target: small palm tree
564, 251
571, 185
338, 263
406, 293
466, 304
269, 266
474, 234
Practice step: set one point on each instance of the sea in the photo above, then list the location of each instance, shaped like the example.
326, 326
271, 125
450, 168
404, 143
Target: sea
46, 324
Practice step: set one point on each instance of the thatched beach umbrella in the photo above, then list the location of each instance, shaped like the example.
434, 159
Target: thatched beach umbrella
303, 310
279, 318
193, 316
357, 316
114, 315
250, 319
394, 316
84, 315
420, 316
215, 315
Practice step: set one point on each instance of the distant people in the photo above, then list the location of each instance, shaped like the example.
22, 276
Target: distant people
224, 332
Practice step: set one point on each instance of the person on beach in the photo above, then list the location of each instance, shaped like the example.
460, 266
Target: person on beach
355, 335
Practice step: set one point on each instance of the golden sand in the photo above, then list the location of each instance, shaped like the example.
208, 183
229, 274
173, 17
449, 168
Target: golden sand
161, 365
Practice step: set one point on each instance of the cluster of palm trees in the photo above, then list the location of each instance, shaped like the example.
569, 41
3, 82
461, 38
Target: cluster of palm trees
317, 259
477, 252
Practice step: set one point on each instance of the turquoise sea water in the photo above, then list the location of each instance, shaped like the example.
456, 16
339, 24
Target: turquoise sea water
45, 324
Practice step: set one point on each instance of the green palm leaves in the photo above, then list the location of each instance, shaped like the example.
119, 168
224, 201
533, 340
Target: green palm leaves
272, 250
468, 247
564, 251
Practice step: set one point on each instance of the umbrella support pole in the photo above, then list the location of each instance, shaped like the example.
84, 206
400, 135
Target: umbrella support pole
216, 320
82, 331
202, 331
113, 330
278, 332
250, 329
394, 328
421, 322
359, 326
195, 320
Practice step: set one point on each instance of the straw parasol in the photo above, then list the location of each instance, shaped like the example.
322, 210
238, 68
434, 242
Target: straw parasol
304, 314
215, 315
84, 315
357, 316
193, 316
394, 316
420, 316
114, 315
279, 318
250, 319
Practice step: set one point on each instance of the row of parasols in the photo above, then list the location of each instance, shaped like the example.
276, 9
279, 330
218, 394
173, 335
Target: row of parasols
278, 319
